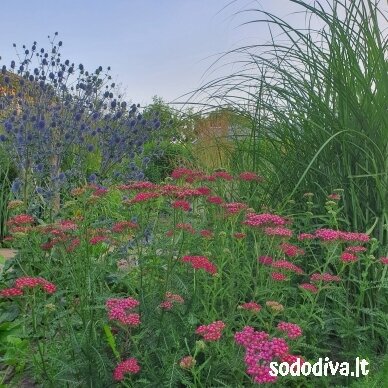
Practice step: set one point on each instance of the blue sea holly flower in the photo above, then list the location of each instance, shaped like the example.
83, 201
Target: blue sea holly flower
16, 186
92, 178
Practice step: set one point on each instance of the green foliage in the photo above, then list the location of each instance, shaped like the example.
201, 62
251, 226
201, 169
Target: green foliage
318, 100
7, 175
164, 157
68, 338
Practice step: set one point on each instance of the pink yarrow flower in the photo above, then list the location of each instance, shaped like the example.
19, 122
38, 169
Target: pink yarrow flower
144, 197
122, 226
292, 330
278, 277
250, 176
187, 362
309, 287
265, 219
215, 200
324, 277
181, 204
32, 282
10, 292
284, 264
266, 260
348, 257
384, 260
259, 352
291, 250
305, 236
200, 262
211, 332
278, 232
21, 219
128, 366
251, 306
120, 310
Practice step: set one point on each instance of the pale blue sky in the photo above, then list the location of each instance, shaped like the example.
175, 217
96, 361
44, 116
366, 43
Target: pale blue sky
155, 47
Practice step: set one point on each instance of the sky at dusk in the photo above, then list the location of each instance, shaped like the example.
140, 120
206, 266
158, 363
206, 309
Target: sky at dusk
154, 47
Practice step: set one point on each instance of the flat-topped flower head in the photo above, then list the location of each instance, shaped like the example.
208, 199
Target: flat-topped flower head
201, 262
287, 265
129, 366
309, 287
32, 282
120, 309
211, 332
324, 277
251, 306
292, 330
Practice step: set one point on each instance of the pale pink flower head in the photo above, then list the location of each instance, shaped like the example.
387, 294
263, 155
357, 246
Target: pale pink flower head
251, 306
309, 287
187, 362
384, 260
266, 260
250, 176
278, 277
292, 330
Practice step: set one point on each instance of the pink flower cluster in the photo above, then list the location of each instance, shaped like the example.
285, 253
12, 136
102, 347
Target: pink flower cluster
250, 176
122, 226
181, 204
355, 249
334, 197
182, 172
265, 219
234, 207
305, 236
348, 257
97, 239
28, 282
203, 190
11, 292
278, 231
292, 330
169, 301
215, 200
324, 277
20, 219
251, 306
66, 225
117, 310
239, 235
266, 260
205, 233
337, 235
287, 265
309, 287
143, 197
200, 262
211, 332
128, 366
186, 227
259, 352
187, 362
384, 260
222, 175
278, 276
291, 250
